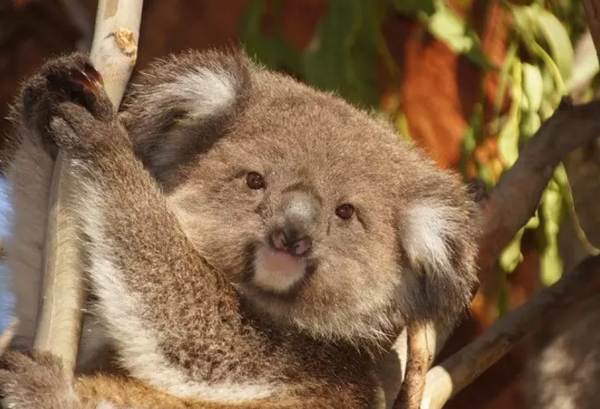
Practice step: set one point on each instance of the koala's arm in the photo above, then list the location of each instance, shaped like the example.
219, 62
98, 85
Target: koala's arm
38, 381
145, 272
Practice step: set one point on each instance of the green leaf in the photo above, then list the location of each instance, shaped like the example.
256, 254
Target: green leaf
508, 137
511, 256
549, 85
533, 223
530, 123
558, 40
533, 22
508, 142
447, 26
533, 86
551, 266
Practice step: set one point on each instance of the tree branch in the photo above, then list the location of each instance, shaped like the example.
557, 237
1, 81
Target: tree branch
114, 53
452, 375
514, 200
419, 359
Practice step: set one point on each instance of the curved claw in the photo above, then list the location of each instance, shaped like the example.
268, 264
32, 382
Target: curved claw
88, 82
91, 72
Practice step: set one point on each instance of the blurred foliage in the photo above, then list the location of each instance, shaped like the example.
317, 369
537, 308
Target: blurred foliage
342, 52
348, 41
537, 72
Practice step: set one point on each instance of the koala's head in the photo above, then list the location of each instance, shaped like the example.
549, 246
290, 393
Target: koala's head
319, 213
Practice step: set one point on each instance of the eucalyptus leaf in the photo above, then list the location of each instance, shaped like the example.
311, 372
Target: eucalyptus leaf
548, 82
551, 266
530, 123
533, 86
511, 256
534, 22
558, 40
508, 137
447, 26
533, 223
508, 142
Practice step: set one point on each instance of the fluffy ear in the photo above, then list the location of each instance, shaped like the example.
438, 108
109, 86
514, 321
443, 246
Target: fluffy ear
439, 233
181, 105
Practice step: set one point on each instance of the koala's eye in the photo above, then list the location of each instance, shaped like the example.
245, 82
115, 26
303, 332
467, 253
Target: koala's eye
344, 211
255, 181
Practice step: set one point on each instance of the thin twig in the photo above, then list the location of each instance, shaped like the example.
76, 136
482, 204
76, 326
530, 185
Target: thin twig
452, 375
419, 358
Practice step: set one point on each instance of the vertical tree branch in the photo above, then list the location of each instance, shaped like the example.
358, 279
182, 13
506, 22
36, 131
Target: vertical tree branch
114, 52
419, 358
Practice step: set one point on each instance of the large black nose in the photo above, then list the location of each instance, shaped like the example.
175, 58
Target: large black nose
291, 241
297, 219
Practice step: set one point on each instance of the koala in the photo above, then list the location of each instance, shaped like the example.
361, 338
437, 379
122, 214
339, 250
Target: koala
252, 242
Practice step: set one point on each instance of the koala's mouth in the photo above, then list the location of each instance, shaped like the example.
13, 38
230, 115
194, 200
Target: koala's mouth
277, 271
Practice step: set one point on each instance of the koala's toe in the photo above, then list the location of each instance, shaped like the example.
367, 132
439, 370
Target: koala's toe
83, 85
70, 78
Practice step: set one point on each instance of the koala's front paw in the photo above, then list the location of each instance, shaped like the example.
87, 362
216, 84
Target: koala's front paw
35, 382
65, 104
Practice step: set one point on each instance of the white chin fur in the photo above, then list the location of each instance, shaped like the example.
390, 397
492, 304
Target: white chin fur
276, 271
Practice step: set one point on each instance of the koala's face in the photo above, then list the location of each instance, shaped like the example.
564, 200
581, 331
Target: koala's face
320, 214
